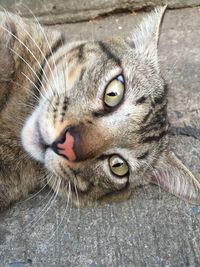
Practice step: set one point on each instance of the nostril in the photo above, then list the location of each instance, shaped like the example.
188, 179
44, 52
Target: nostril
64, 145
54, 147
61, 139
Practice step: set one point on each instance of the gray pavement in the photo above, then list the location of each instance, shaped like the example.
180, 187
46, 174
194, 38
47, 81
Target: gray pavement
63, 11
153, 228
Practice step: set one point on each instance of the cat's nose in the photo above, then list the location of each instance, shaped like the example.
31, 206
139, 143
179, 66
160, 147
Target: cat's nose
65, 144
81, 142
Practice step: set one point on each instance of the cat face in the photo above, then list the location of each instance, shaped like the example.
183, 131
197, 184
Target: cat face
101, 123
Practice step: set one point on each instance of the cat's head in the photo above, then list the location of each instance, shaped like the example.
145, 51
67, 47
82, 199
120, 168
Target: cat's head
101, 127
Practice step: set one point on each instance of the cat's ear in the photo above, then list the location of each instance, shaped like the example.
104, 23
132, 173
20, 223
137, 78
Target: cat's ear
171, 175
146, 35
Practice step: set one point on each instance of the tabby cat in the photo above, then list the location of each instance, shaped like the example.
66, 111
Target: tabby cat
87, 118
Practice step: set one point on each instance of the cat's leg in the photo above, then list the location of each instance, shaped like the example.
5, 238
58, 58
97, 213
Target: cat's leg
18, 177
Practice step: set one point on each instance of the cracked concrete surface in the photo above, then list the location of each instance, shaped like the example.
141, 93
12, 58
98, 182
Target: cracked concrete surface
153, 228
63, 11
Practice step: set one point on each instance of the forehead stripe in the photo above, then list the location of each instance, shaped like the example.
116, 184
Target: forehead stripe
38, 83
106, 49
81, 52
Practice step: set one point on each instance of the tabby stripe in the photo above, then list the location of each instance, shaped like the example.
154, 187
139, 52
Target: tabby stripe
4, 95
155, 138
75, 52
158, 120
144, 155
69, 56
64, 108
156, 127
109, 53
160, 99
156, 123
40, 73
152, 111
147, 115
81, 52
83, 70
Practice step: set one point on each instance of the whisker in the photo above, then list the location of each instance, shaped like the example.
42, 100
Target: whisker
51, 203
26, 47
76, 191
40, 50
33, 94
33, 196
45, 36
31, 82
65, 73
51, 200
77, 200
37, 88
44, 98
61, 221
32, 106
33, 54
31, 70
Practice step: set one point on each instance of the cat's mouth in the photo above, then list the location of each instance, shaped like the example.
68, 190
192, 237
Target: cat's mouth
41, 142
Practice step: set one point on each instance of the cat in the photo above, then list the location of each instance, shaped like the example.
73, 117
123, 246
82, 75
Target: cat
87, 118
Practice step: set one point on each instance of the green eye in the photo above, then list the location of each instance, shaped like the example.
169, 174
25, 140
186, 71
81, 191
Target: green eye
114, 92
118, 166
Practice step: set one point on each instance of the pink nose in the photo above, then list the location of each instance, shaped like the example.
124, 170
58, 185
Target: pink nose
65, 146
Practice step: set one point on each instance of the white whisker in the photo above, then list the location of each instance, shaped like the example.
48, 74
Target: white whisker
33, 196
42, 53
51, 203
61, 221
31, 82
78, 201
37, 89
77, 195
42, 30
31, 70
27, 48
51, 200
32, 93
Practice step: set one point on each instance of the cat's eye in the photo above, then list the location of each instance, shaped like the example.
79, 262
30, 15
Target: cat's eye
114, 91
118, 166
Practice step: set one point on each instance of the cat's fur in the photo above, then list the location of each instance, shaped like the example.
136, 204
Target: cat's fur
71, 79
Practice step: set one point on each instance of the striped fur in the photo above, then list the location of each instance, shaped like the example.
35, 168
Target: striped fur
52, 85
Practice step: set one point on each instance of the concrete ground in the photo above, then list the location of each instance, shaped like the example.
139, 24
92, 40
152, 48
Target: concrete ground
153, 228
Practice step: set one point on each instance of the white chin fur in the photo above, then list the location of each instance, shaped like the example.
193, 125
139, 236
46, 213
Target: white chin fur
30, 138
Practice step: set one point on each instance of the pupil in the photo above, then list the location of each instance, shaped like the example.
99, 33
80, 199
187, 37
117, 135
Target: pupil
112, 94
117, 165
